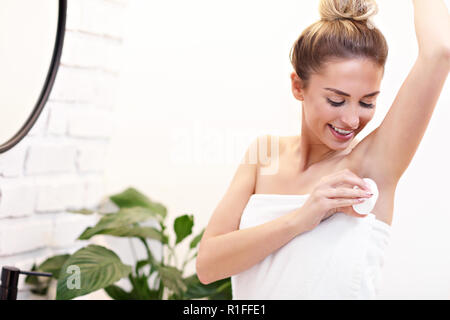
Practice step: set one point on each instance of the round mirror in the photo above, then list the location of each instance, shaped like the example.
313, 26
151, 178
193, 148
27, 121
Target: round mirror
31, 40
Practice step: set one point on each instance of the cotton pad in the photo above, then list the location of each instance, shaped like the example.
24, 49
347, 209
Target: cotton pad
369, 203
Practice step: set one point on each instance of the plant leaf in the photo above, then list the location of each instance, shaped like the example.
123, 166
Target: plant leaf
30, 279
82, 211
219, 290
141, 290
53, 264
183, 227
117, 293
142, 263
135, 231
99, 267
124, 218
39, 285
172, 279
196, 240
174, 296
134, 198
223, 292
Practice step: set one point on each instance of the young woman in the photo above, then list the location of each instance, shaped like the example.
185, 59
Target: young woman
292, 233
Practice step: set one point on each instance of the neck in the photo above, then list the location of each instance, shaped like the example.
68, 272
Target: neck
310, 151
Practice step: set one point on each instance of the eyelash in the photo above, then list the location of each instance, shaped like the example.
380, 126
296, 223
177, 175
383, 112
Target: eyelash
337, 104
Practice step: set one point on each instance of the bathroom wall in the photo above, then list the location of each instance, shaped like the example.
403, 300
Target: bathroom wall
59, 165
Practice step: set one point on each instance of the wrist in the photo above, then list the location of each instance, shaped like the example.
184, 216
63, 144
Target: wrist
296, 222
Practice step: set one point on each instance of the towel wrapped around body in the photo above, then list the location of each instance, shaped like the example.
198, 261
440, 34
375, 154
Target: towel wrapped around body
341, 258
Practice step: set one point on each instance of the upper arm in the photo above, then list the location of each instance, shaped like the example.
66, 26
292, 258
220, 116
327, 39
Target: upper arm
389, 149
226, 217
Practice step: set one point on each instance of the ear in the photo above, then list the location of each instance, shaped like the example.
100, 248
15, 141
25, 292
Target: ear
297, 85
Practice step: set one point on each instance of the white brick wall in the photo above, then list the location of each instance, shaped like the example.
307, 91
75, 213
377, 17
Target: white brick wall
59, 165
45, 157
59, 193
18, 198
25, 234
12, 162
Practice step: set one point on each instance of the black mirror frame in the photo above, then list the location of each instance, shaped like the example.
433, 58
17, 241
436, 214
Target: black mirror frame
50, 79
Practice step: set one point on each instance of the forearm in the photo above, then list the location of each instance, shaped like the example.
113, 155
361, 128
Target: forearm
432, 25
228, 254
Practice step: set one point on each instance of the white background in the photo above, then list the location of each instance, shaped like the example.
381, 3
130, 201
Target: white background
201, 78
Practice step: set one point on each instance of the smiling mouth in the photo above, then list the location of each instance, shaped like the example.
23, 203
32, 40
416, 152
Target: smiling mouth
341, 131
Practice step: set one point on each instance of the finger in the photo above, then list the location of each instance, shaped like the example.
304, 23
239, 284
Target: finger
345, 202
347, 193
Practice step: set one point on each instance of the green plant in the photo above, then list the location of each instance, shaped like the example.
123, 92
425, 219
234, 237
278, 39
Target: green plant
100, 267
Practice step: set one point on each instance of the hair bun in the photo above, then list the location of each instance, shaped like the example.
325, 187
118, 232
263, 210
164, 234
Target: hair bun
361, 10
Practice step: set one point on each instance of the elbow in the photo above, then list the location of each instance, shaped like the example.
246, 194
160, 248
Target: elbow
201, 271
447, 55
441, 53
206, 266
444, 54
202, 275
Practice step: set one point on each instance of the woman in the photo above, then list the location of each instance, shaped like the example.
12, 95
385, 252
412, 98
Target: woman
292, 232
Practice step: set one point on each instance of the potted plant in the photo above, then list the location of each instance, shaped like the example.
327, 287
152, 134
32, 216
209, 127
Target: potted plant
94, 267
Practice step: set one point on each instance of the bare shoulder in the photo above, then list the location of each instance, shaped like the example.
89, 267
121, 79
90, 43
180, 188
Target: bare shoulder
227, 214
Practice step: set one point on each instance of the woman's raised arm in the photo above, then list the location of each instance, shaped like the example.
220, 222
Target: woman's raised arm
393, 144
432, 24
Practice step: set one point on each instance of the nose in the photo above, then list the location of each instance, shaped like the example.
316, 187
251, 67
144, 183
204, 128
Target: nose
350, 118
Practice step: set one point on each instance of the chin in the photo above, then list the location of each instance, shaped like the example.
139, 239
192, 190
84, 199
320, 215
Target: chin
341, 146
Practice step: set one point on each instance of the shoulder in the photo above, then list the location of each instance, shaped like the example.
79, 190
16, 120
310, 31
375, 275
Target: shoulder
270, 147
265, 152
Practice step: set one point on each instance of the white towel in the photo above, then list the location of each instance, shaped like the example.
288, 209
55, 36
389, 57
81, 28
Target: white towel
341, 258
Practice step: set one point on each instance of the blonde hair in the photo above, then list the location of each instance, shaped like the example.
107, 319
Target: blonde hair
345, 30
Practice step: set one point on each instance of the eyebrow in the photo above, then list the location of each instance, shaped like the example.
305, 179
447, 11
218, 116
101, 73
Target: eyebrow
346, 94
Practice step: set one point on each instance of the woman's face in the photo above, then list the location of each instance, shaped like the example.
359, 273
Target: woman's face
342, 95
